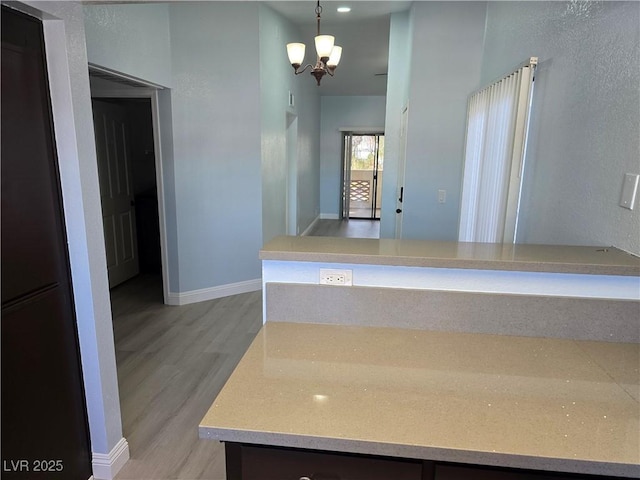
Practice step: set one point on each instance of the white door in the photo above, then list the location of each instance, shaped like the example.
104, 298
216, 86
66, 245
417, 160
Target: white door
401, 167
116, 191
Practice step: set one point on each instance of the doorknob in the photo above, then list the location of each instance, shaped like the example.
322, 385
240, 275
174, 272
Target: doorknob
398, 210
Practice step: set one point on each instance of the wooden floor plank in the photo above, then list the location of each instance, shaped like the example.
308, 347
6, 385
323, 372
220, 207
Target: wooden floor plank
353, 228
172, 362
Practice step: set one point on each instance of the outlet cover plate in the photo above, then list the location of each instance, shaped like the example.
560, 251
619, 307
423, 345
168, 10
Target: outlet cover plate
331, 276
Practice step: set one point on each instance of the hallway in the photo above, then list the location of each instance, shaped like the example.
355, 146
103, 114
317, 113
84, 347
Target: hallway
353, 228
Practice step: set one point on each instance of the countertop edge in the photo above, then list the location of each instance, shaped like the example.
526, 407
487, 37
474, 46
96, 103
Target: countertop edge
466, 264
579, 259
482, 458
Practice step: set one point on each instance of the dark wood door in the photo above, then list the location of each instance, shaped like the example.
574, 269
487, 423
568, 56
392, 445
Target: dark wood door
44, 420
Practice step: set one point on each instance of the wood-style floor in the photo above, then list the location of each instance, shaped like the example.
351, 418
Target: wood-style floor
354, 228
172, 362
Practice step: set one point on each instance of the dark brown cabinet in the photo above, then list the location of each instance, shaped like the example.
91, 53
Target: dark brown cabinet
44, 421
253, 462
245, 462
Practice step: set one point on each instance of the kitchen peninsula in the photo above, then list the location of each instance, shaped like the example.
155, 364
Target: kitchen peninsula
582, 293
432, 396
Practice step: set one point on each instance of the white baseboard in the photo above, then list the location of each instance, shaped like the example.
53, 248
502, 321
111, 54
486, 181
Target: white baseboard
106, 466
330, 216
310, 227
204, 294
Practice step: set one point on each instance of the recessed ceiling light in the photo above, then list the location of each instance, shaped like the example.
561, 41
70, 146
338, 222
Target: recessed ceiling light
344, 9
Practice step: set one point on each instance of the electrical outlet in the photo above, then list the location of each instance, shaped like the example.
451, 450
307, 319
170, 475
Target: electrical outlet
329, 276
442, 196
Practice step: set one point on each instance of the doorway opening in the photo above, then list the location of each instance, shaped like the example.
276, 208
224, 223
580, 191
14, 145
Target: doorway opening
131, 187
363, 166
126, 168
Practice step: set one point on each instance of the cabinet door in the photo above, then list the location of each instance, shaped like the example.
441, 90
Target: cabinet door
264, 463
455, 472
44, 421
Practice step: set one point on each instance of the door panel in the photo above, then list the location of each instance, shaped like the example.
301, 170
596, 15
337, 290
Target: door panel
116, 191
43, 406
127, 227
29, 266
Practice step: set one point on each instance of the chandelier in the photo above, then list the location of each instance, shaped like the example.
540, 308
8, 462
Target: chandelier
328, 53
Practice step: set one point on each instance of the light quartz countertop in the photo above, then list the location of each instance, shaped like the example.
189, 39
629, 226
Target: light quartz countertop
535, 403
484, 256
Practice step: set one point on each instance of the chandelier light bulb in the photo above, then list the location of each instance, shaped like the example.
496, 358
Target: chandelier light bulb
295, 51
328, 54
324, 45
334, 58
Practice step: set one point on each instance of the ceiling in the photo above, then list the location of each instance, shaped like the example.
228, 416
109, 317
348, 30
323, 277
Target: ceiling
363, 34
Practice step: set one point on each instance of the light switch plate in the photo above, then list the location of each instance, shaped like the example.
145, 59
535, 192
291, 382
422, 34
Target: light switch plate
629, 190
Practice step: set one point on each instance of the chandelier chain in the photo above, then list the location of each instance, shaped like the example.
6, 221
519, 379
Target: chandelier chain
318, 12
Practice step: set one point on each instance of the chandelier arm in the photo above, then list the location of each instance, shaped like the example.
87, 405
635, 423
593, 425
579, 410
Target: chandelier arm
298, 71
321, 68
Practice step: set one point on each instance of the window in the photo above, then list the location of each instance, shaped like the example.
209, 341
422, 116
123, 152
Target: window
497, 123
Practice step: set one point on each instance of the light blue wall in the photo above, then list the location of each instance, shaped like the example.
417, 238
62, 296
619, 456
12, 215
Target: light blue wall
308, 167
216, 141
585, 124
276, 81
400, 49
445, 68
131, 38
169, 185
342, 112
212, 145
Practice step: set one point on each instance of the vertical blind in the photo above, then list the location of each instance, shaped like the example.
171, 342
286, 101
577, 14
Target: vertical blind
497, 121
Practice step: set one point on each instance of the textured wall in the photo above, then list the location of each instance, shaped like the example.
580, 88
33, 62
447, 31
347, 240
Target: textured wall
585, 123
216, 142
276, 81
445, 68
131, 38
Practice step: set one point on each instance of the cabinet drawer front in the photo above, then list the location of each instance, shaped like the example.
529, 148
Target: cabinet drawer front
260, 463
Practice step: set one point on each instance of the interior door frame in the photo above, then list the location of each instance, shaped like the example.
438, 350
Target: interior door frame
150, 92
402, 161
291, 194
347, 133
345, 179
